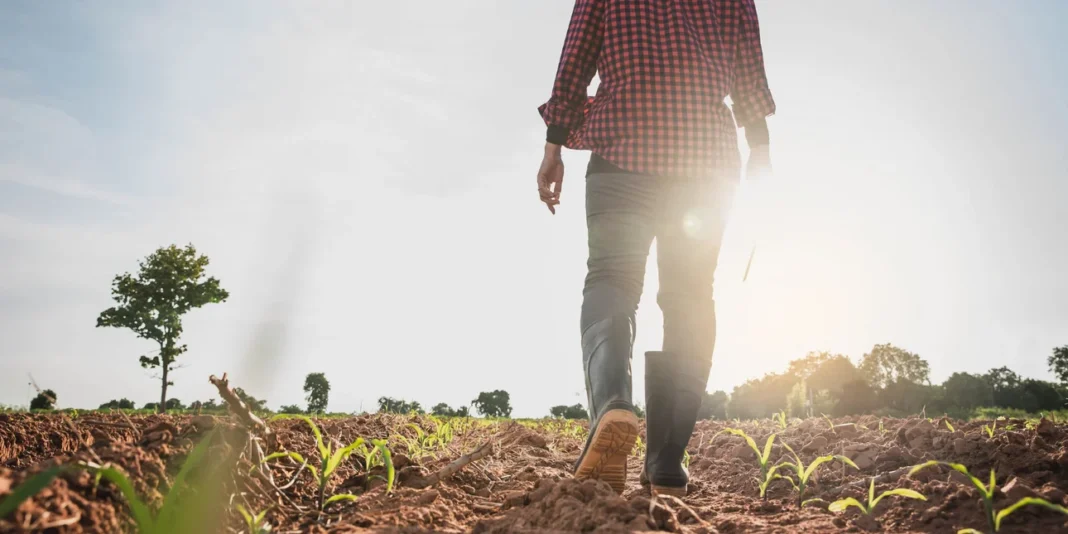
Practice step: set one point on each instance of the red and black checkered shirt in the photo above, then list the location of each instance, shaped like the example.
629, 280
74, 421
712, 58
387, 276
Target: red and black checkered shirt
666, 67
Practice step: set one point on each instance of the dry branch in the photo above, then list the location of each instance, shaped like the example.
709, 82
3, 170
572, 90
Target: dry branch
239, 408
453, 467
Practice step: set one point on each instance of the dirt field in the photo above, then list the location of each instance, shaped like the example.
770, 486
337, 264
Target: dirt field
524, 485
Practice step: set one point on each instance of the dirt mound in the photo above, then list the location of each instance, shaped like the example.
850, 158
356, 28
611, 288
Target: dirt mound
521, 480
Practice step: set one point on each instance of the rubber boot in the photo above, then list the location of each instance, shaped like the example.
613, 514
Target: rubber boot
674, 388
606, 352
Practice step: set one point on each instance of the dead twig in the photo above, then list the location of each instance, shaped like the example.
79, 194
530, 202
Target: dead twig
686, 507
453, 467
240, 409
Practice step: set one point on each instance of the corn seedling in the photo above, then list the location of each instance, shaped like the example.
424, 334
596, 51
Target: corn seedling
640, 447
989, 429
770, 477
987, 492
780, 419
843, 504
762, 456
256, 523
805, 472
686, 459
330, 459
829, 422
173, 517
949, 426
882, 429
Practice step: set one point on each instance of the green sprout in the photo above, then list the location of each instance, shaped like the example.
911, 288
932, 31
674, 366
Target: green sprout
805, 472
780, 419
987, 492
762, 457
989, 429
256, 523
173, 517
844, 504
949, 425
686, 458
770, 477
329, 460
882, 429
829, 422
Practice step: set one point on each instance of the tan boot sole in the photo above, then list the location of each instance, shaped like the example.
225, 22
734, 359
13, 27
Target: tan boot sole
612, 443
667, 490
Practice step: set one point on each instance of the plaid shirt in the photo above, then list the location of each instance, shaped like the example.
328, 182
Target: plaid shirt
666, 67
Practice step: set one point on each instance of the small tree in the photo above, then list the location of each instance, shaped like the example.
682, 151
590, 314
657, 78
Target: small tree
174, 404
150, 406
45, 400
121, 404
714, 406
966, 391
444, 410
1058, 363
391, 405
290, 409
575, 411
317, 388
493, 403
169, 283
886, 364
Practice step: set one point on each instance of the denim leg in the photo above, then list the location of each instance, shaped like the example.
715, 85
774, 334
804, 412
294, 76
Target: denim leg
620, 223
689, 230
620, 220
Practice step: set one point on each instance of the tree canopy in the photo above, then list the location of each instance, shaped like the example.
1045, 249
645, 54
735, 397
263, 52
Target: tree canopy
317, 390
494, 403
169, 283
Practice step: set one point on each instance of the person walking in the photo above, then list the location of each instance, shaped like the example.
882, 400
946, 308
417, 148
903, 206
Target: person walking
664, 165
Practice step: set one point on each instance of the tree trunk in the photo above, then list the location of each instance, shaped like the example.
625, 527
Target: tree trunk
163, 393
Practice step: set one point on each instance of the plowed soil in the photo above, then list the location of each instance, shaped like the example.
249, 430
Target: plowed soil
525, 485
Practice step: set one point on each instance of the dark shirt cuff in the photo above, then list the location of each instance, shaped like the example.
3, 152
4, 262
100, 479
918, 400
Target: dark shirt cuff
557, 135
756, 134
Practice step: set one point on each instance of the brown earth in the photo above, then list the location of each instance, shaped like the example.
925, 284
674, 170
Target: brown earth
524, 485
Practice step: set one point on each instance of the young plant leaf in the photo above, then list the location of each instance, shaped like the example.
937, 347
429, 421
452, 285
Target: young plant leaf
1027, 501
842, 505
28, 489
142, 517
341, 497
898, 492
767, 449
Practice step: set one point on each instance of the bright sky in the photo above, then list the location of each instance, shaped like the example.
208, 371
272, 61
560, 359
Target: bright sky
362, 176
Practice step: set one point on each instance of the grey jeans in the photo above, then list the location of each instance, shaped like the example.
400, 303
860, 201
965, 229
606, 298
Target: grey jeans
624, 213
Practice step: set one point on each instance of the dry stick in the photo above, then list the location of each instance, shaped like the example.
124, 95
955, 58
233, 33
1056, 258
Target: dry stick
453, 466
137, 431
239, 408
686, 507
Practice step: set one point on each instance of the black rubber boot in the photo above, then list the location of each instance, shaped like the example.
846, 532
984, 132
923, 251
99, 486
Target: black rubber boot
606, 353
674, 388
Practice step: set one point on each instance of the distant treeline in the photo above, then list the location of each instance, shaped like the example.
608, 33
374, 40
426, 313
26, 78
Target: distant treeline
888, 381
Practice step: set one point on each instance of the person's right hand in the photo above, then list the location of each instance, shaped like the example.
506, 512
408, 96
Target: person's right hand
759, 165
551, 176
